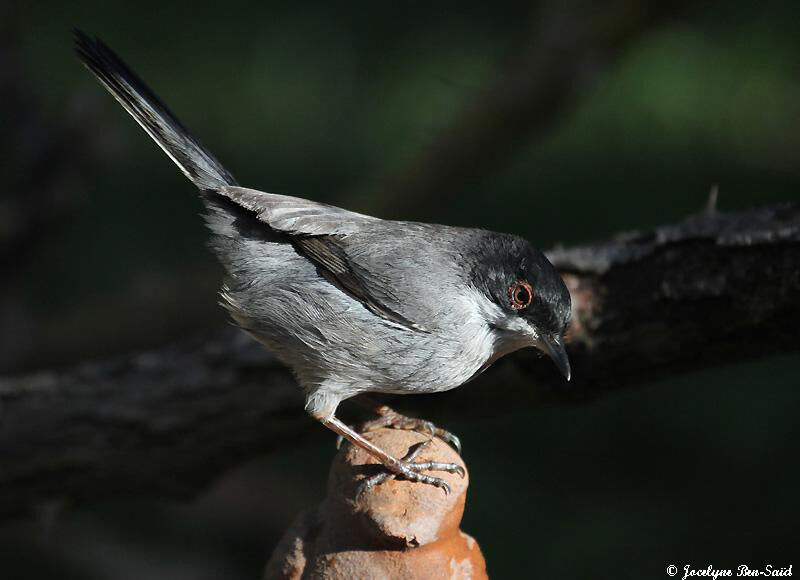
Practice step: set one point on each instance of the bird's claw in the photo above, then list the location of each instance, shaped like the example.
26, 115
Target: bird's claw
448, 437
394, 420
407, 469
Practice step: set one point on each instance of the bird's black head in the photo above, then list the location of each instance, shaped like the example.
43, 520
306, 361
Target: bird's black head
534, 304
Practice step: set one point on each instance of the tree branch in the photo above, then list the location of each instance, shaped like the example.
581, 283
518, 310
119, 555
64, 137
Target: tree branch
571, 48
716, 288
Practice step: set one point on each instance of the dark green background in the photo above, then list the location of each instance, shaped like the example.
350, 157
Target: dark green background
322, 100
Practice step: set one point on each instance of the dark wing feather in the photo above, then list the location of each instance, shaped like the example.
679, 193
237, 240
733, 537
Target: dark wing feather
322, 233
330, 256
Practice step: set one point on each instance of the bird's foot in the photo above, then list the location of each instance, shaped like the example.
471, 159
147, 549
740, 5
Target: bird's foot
407, 469
394, 420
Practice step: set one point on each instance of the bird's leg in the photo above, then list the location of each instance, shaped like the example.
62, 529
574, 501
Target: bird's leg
404, 467
388, 417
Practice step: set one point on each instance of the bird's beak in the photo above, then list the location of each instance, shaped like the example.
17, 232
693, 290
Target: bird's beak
554, 348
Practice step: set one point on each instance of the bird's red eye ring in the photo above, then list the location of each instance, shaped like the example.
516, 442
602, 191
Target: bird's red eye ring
520, 294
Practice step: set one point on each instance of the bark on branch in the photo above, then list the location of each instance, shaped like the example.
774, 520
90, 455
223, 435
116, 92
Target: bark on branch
716, 288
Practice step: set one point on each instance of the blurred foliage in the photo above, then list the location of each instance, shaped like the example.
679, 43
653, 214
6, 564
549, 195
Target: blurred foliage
319, 99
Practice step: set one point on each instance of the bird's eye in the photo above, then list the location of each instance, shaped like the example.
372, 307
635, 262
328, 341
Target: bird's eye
520, 293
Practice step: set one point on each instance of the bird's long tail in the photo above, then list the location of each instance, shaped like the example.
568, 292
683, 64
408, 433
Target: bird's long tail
153, 115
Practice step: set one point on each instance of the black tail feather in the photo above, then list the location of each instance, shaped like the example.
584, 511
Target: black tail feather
152, 114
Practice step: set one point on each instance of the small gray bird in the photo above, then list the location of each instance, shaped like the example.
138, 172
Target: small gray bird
352, 303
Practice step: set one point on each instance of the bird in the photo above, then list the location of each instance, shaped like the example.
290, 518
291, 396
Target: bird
352, 303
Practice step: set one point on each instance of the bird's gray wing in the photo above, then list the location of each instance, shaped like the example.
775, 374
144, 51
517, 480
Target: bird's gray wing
297, 216
329, 237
